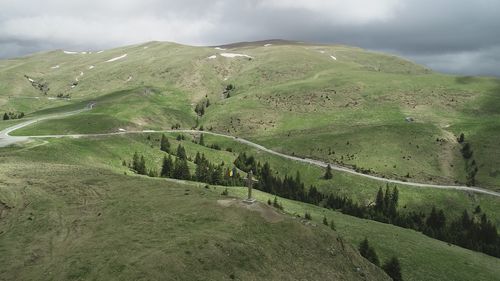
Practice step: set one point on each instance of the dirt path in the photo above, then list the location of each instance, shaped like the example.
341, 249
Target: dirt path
6, 139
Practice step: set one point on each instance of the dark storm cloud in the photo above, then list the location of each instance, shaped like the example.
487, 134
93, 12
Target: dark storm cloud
447, 35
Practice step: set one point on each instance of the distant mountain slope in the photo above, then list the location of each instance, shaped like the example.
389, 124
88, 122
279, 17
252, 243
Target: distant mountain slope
376, 112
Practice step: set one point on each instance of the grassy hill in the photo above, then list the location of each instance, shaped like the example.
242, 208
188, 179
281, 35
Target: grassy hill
69, 198
350, 110
70, 222
69, 209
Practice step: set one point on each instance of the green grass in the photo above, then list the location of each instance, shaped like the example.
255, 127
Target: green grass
419, 255
361, 117
68, 182
135, 109
81, 123
363, 190
110, 151
72, 222
7, 123
288, 96
291, 98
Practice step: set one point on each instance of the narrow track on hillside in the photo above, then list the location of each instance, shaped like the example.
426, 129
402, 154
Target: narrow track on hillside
6, 140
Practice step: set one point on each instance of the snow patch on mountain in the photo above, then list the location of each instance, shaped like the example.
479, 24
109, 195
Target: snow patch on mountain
117, 58
234, 55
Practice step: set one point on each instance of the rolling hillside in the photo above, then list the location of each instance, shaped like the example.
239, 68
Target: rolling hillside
348, 104
73, 208
67, 198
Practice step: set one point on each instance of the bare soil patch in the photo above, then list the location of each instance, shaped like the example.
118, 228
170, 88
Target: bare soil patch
266, 212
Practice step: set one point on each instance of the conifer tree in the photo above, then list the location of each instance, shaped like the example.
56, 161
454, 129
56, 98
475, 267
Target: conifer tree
135, 160
186, 175
332, 224
216, 175
5, 116
265, 180
379, 201
368, 252
164, 144
141, 169
436, 221
328, 173
201, 141
200, 172
275, 202
466, 220
181, 170
393, 269
307, 216
167, 167
363, 247
395, 197
387, 199
297, 177
393, 204
181, 152
325, 221
197, 158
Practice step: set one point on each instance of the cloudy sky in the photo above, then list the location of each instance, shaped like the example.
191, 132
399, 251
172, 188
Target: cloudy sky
456, 36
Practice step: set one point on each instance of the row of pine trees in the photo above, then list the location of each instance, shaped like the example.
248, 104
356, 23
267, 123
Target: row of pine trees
12, 115
176, 165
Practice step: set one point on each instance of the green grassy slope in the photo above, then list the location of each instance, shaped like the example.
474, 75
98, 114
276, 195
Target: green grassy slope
64, 222
350, 110
59, 189
109, 152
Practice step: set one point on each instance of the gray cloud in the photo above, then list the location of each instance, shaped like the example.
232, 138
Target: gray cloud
446, 35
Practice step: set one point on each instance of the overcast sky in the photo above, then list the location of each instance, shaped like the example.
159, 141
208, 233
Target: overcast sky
456, 36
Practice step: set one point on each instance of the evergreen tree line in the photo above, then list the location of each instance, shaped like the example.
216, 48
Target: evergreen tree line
175, 165
287, 187
215, 174
478, 234
475, 234
12, 115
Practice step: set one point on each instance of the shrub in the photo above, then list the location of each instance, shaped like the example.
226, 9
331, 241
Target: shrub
393, 269
307, 216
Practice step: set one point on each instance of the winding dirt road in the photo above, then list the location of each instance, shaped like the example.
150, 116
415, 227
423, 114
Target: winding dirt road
6, 140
